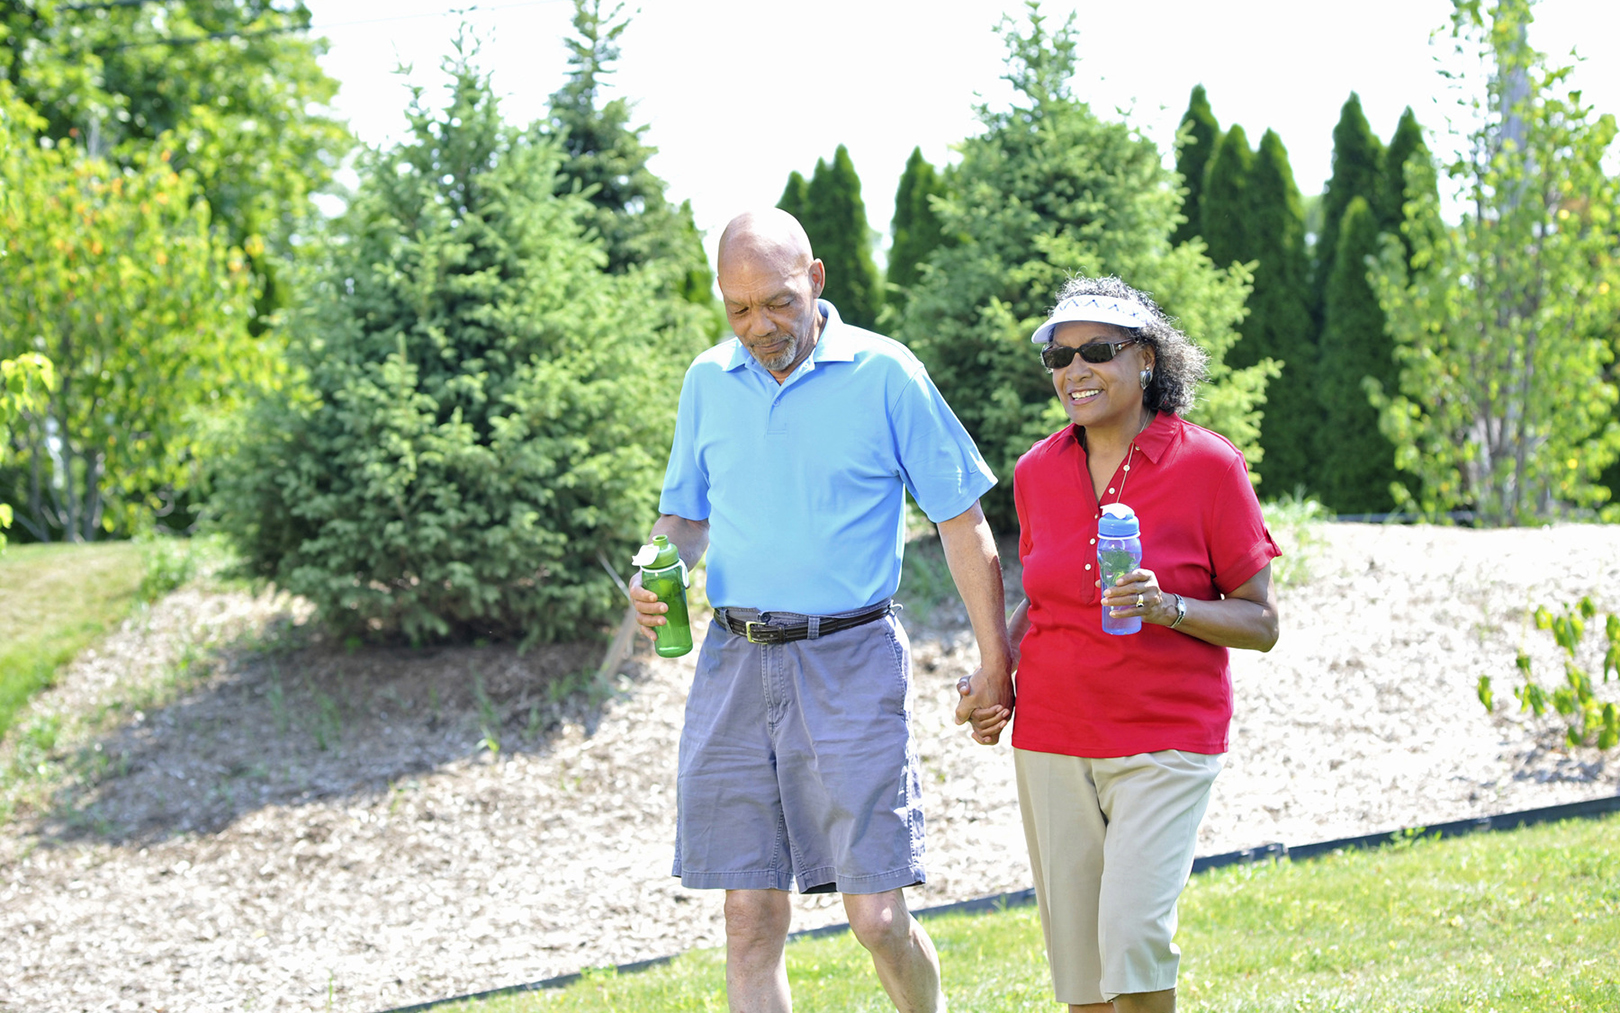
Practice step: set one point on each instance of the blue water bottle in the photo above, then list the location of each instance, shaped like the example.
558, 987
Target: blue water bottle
1119, 551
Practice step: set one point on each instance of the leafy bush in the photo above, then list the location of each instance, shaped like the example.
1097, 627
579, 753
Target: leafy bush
483, 409
115, 275
1589, 720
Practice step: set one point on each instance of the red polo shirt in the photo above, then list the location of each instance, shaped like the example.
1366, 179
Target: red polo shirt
1083, 692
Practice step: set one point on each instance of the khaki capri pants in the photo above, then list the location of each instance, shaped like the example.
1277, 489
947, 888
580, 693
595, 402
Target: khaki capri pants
1111, 846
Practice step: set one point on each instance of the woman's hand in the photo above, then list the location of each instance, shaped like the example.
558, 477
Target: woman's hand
1138, 594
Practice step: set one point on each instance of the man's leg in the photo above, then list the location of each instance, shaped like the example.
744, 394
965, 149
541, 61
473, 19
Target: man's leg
756, 951
1133, 1002
901, 951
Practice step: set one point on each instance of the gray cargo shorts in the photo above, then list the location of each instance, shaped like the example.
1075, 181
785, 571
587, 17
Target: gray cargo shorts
797, 763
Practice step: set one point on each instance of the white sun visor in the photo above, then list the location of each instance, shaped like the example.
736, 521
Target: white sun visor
1097, 309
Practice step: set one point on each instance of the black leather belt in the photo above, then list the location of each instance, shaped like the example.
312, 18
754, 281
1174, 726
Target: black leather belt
766, 630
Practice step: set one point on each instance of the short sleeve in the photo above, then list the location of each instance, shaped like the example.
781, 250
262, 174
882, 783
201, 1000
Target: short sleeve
1240, 544
938, 462
686, 485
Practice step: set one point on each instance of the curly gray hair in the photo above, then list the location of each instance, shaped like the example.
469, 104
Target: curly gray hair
1179, 365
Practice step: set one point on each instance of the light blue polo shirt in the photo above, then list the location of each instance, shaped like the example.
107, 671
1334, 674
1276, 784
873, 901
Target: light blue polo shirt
801, 482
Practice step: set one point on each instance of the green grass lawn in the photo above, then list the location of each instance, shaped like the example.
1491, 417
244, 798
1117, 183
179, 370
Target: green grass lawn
1527, 920
55, 600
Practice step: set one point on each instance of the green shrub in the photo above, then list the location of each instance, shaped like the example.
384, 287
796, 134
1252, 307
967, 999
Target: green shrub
483, 409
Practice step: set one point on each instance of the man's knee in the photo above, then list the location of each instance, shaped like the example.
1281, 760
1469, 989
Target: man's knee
757, 918
879, 921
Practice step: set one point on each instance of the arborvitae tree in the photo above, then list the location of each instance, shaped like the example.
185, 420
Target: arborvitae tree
484, 408
796, 197
1047, 189
1355, 462
1224, 207
1201, 134
1358, 171
1279, 324
1404, 146
915, 226
606, 160
836, 224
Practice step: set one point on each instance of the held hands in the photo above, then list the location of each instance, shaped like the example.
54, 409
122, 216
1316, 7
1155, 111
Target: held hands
1138, 594
649, 610
987, 702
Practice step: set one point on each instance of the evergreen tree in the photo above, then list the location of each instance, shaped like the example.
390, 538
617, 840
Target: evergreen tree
1199, 134
796, 197
471, 432
1358, 171
1355, 461
835, 221
1279, 324
1048, 189
606, 160
1406, 145
1224, 206
915, 226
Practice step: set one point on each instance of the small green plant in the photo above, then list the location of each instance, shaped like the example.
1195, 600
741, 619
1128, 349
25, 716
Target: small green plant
328, 721
1295, 521
168, 564
1587, 717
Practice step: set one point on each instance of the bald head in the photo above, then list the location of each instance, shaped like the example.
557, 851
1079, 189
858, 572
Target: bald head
770, 281
770, 236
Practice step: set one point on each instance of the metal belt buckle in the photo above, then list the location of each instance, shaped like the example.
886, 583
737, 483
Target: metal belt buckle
748, 630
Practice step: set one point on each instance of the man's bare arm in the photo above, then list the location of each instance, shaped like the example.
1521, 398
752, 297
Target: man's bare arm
970, 550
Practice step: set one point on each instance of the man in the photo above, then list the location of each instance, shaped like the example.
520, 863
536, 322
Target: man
793, 446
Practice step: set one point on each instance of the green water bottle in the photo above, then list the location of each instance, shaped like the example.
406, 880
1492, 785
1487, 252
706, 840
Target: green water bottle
663, 573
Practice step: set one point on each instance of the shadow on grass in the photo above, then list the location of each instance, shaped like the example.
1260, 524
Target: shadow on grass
295, 720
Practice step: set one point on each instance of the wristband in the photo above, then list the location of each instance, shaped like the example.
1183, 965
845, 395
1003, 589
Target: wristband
1181, 611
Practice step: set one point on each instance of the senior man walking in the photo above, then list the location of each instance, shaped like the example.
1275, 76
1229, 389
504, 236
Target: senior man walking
793, 447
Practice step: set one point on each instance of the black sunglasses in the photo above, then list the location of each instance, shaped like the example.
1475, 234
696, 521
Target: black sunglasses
1055, 356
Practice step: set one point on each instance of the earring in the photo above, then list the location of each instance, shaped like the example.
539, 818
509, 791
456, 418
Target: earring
1146, 376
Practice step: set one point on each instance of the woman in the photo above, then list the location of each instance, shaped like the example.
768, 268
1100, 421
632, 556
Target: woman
1119, 738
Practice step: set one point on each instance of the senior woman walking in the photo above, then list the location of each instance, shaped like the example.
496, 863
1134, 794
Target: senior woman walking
1119, 738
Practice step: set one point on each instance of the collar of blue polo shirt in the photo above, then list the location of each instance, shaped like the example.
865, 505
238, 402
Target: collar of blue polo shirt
664, 574
1119, 551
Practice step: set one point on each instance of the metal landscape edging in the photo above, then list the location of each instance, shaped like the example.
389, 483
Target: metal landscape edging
1590, 809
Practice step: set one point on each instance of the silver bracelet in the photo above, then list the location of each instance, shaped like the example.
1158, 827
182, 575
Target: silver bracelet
1181, 610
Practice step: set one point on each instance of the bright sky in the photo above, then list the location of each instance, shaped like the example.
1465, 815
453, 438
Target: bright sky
738, 93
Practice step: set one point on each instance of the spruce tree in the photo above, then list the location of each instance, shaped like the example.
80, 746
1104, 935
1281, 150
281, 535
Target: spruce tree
1048, 189
1200, 133
605, 159
835, 220
1224, 207
1358, 171
467, 434
915, 226
1356, 462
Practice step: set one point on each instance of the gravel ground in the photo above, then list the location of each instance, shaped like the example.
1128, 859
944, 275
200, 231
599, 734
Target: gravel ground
284, 825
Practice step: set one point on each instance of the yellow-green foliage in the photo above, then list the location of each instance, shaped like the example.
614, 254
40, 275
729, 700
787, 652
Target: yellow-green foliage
114, 275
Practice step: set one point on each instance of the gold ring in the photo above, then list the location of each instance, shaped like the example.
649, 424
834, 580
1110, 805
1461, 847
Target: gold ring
1139, 601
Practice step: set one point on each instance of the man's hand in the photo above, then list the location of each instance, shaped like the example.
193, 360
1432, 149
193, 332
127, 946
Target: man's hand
649, 610
692, 539
987, 702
